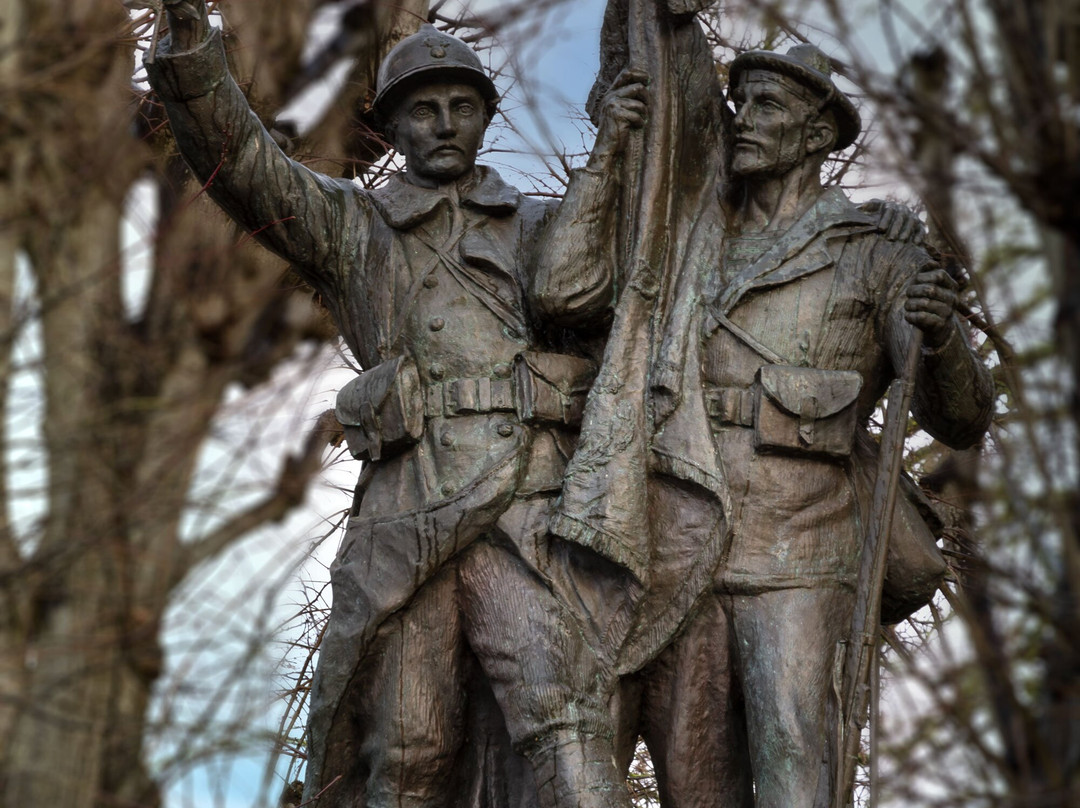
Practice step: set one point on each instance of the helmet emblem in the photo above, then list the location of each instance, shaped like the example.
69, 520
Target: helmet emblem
428, 55
437, 47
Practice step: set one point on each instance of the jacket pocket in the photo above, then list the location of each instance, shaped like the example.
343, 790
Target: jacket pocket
805, 411
382, 409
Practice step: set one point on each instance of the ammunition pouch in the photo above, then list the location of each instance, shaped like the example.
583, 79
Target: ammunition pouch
551, 388
805, 411
915, 566
382, 409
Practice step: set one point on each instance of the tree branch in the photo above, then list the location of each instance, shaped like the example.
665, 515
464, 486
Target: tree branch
10, 557
292, 483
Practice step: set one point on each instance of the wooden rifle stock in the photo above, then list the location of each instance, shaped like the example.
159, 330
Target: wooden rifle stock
861, 651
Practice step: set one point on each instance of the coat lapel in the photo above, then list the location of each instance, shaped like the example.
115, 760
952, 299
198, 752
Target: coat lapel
404, 205
482, 258
800, 251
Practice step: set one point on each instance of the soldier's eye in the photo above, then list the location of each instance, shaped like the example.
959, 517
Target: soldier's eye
465, 109
422, 112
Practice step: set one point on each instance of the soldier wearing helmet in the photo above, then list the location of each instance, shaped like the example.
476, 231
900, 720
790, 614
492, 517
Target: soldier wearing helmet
446, 635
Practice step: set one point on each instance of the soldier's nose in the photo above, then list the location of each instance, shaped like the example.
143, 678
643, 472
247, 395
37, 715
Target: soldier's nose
445, 124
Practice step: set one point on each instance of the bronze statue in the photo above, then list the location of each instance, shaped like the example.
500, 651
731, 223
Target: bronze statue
751, 354
706, 548
457, 628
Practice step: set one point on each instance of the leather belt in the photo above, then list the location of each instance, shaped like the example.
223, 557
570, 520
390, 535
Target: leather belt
468, 397
732, 406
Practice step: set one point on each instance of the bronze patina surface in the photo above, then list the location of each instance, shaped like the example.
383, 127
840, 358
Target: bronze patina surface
529, 582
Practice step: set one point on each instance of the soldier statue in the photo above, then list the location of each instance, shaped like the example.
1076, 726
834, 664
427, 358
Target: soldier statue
768, 336
455, 621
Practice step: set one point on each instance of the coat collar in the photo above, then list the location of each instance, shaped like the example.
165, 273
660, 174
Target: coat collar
404, 205
802, 249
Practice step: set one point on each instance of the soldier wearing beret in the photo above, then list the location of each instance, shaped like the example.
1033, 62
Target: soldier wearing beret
769, 346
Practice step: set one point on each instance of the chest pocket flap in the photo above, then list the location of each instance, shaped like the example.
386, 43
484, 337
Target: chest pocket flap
806, 410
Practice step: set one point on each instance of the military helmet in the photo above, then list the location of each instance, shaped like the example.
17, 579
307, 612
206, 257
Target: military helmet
809, 66
433, 54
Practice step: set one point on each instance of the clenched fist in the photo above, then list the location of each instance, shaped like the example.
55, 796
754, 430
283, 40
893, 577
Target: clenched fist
931, 301
624, 108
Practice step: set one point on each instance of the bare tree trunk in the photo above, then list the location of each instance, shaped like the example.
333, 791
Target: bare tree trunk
12, 607
1061, 650
128, 400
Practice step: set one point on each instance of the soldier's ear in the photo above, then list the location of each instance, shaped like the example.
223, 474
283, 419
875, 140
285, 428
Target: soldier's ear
821, 134
389, 128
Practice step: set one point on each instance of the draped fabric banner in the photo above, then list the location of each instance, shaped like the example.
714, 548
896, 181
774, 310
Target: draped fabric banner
603, 502
671, 171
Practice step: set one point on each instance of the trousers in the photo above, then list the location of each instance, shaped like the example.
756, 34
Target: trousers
485, 690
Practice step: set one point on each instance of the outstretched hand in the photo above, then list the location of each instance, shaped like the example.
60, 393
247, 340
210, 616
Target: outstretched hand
624, 108
931, 301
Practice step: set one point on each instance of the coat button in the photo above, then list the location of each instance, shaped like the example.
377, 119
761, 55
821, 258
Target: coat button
437, 324
447, 439
447, 489
501, 371
431, 281
505, 430
436, 371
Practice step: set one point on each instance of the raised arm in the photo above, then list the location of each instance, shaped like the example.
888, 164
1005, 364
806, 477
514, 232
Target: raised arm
297, 213
575, 263
673, 176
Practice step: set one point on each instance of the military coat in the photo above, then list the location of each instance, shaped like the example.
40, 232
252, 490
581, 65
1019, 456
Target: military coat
405, 271
828, 294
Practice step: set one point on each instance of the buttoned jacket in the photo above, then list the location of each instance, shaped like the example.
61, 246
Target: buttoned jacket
404, 270
828, 294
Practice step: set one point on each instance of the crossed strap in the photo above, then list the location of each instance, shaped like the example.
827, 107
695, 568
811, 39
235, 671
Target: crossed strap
470, 279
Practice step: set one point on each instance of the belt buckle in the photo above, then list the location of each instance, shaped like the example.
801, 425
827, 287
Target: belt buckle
502, 395
713, 405
435, 401
730, 406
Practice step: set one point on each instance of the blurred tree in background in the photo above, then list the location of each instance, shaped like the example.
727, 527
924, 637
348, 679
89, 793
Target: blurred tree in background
129, 393
111, 425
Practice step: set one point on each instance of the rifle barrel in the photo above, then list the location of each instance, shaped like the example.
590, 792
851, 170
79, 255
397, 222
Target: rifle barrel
861, 652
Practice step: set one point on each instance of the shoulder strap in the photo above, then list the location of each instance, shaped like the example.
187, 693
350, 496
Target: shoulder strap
748, 339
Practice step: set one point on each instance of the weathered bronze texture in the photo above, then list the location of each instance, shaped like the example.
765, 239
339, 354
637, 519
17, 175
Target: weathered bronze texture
510, 613
457, 666
757, 321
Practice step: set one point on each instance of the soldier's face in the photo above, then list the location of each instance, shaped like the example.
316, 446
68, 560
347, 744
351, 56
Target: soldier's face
439, 129
771, 125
